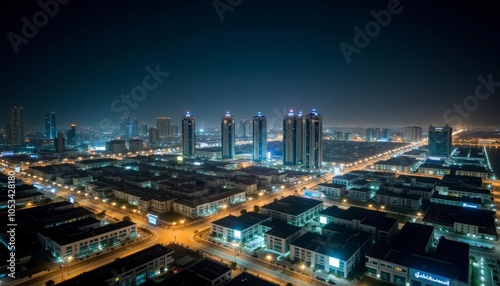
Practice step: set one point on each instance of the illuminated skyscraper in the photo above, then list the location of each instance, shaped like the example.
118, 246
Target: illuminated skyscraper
188, 134
313, 140
163, 127
293, 138
72, 135
289, 157
440, 141
16, 126
50, 126
228, 136
259, 137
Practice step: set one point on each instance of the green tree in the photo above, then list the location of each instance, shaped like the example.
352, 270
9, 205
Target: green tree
127, 218
101, 214
289, 284
256, 208
233, 265
50, 283
243, 211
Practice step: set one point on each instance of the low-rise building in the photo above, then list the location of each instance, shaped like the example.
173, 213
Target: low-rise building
375, 222
318, 251
466, 221
239, 229
135, 269
466, 202
207, 205
327, 215
97, 163
64, 241
346, 180
400, 200
333, 190
362, 194
293, 209
397, 164
410, 261
278, 235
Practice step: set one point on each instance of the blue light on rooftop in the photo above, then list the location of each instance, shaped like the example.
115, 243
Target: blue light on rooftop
228, 114
291, 112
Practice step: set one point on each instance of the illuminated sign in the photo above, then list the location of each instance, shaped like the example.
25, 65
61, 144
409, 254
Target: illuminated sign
7, 153
323, 220
334, 262
152, 219
313, 194
466, 205
72, 199
237, 234
429, 277
17, 169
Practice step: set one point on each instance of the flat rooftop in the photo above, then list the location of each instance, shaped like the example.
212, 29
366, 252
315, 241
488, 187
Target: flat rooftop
293, 205
109, 271
281, 229
209, 269
447, 215
331, 211
241, 222
247, 279
321, 244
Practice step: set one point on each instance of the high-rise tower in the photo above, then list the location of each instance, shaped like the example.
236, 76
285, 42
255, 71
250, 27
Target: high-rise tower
314, 140
188, 134
50, 126
259, 137
228, 136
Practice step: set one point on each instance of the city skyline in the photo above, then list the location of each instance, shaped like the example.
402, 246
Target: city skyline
410, 72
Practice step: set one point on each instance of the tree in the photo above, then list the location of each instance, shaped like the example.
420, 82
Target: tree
289, 284
243, 211
101, 214
126, 218
50, 283
233, 265
275, 199
256, 208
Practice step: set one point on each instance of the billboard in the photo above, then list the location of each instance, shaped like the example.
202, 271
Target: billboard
153, 219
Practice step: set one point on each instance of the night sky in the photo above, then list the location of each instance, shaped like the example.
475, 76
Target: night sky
263, 56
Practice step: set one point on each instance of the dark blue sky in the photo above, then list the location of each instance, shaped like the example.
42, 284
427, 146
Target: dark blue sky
262, 57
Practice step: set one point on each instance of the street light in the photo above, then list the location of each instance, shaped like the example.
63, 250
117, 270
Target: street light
269, 258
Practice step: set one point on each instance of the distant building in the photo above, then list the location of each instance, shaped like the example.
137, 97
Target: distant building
71, 135
188, 134
16, 126
126, 128
259, 137
413, 133
347, 136
154, 136
143, 129
245, 128
293, 138
135, 127
174, 130
135, 145
116, 146
339, 136
372, 134
59, 145
385, 135
163, 126
50, 126
440, 141
228, 136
